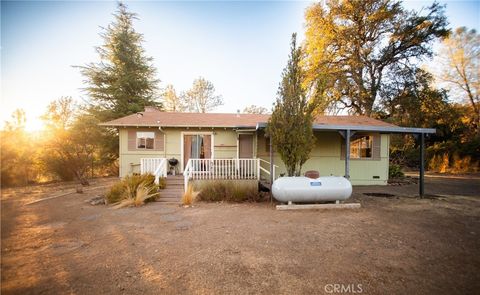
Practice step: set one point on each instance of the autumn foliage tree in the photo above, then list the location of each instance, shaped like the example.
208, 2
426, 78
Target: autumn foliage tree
460, 70
351, 46
253, 109
18, 154
201, 98
172, 102
72, 140
290, 125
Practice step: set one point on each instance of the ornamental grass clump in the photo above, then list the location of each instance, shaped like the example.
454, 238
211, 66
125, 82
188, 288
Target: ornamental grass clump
189, 196
135, 197
135, 189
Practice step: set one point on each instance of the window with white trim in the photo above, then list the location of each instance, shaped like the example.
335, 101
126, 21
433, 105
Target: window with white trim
361, 147
145, 140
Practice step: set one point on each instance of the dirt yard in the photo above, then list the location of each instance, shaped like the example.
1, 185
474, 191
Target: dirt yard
396, 245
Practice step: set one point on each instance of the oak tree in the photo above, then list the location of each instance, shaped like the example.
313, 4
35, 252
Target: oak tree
351, 46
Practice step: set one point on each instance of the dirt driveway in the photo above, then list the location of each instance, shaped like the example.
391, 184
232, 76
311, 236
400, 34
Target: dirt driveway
397, 245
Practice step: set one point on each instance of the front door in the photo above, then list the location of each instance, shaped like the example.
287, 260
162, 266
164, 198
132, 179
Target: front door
245, 146
196, 146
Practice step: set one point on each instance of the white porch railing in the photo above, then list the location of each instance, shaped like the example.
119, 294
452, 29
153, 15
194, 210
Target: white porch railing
210, 169
156, 166
266, 171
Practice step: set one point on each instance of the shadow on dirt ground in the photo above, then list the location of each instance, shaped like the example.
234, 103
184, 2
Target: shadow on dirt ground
396, 245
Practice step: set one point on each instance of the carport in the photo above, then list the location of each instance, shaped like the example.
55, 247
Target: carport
348, 131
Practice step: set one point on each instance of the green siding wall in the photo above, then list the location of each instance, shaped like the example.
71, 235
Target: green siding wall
325, 157
224, 141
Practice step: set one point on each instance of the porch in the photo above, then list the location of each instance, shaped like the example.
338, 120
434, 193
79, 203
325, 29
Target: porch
211, 169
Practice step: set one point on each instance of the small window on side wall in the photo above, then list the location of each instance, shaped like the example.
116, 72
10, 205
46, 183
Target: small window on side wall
361, 147
145, 140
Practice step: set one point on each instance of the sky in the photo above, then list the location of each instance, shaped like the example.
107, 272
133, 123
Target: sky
241, 47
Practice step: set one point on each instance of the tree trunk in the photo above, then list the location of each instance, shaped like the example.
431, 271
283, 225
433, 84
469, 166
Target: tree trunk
83, 181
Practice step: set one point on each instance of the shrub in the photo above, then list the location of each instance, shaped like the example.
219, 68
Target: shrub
463, 165
395, 171
229, 191
116, 192
189, 196
127, 187
443, 163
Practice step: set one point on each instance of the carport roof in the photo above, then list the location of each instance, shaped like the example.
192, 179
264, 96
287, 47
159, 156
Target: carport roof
375, 128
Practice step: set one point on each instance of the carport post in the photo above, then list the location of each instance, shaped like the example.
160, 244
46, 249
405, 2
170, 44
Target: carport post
422, 165
347, 154
272, 177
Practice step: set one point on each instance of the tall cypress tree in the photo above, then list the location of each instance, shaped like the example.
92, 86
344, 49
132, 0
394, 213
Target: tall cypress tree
123, 82
290, 126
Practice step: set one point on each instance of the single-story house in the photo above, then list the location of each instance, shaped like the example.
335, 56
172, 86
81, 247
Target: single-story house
234, 146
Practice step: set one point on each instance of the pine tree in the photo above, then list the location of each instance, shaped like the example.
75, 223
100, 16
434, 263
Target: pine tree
290, 126
123, 82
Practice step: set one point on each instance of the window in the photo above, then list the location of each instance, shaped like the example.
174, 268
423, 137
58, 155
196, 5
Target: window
361, 147
145, 140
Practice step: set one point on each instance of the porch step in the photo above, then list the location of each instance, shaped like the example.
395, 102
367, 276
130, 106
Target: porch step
174, 184
172, 194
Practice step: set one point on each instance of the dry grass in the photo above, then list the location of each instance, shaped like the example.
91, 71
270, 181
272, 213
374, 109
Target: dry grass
135, 197
229, 191
189, 196
119, 191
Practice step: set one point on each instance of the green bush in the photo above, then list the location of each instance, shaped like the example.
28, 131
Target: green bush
119, 191
395, 171
229, 191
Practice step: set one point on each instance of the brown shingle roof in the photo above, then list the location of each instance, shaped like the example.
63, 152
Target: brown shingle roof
171, 119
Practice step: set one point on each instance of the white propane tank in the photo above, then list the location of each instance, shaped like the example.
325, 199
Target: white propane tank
307, 190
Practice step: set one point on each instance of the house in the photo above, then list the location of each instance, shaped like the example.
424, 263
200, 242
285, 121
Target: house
234, 146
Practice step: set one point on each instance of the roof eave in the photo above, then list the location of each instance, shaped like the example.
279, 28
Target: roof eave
175, 126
